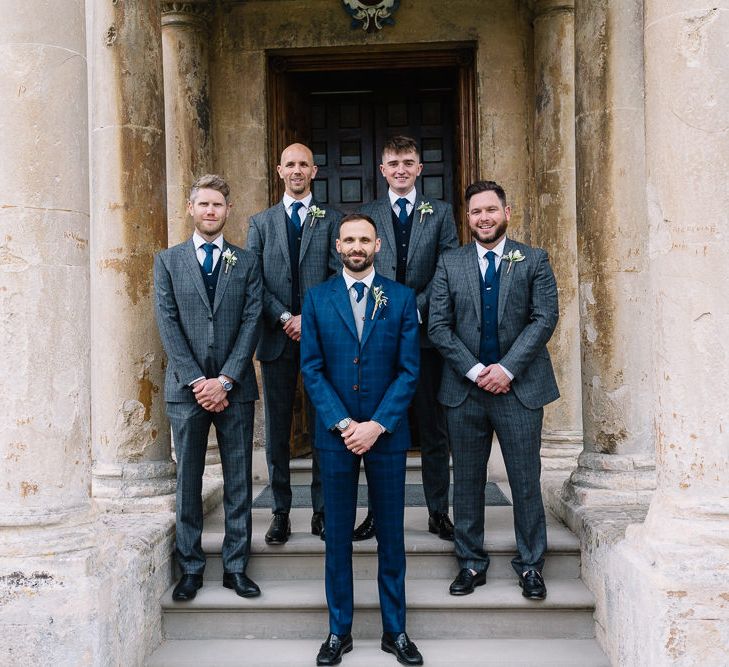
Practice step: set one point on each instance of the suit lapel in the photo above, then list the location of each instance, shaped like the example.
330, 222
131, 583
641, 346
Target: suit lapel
473, 271
416, 230
223, 278
505, 278
383, 215
307, 231
340, 300
279, 228
194, 266
369, 323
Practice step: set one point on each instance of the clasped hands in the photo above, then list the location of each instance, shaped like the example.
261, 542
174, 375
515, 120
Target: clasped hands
493, 379
360, 437
211, 395
292, 328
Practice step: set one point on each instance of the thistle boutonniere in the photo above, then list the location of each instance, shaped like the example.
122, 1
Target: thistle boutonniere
513, 256
425, 208
315, 212
230, 259
380, 299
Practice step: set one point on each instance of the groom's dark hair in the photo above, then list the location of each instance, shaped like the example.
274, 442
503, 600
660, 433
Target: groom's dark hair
486, 186
351, 217
401, 144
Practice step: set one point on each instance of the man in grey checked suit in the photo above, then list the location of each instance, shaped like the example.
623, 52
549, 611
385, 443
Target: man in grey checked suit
493, 307
412, 241
208, 307
295, 244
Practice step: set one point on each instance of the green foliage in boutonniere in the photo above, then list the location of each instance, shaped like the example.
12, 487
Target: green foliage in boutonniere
230, 259
378, 294
315, 212
424, 209
513, 256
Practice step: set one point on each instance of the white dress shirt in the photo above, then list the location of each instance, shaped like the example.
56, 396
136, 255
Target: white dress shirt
288, 200
199, 241
410, 196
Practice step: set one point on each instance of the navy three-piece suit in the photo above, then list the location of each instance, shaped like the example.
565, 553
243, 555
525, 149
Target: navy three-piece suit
372, 379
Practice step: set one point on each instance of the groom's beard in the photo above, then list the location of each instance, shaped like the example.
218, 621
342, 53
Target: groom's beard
357, 262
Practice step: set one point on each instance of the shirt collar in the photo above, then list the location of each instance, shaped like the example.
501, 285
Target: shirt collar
288, 200
410, 196
498, 250
350, 280
199, 241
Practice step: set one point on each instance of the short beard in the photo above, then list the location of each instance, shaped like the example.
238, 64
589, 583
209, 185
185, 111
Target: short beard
496, 233
366, 262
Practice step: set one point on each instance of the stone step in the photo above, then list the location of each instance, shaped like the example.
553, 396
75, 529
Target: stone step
297, 610
428, 557
301, 471
367, 653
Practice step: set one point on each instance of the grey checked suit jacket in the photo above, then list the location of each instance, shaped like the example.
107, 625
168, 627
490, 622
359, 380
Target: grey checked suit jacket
204, 341
318, 259
428, 239
527, 315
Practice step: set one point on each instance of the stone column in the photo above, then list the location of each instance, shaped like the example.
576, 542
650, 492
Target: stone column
617, 464
185, 41
185, 37
130, 432
44, 283
671, 576
554, 227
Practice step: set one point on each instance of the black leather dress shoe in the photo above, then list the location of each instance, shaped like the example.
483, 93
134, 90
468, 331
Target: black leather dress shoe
330, 652
365, 530
405, 650
317, 524
466, 581
280, 529
532, 585
440, 524
241, 584
187, 587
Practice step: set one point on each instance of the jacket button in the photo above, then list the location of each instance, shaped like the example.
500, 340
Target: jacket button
355, 387
210, 317
356, 360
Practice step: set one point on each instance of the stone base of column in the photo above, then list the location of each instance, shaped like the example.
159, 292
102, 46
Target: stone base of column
146, 487
560, 450
668, 586
610, 479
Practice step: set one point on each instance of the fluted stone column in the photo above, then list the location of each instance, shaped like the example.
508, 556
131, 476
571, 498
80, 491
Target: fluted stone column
554, 227
617, 464
185, 39
44, 283
670, 578
130, 432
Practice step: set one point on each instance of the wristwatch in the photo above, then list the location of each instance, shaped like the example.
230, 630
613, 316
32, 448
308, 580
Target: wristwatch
343, 425
227, 384
285, 317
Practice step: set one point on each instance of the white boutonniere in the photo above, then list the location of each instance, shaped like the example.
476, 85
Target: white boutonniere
424, 209
513, 256
380, 299
315, 212
230, 259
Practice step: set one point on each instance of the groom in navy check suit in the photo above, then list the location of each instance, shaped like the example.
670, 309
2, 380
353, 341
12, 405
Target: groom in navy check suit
493, 307
360, 362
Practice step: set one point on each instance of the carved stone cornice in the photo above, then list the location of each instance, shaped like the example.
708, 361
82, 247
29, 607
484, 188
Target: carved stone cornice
194, 13
542, 7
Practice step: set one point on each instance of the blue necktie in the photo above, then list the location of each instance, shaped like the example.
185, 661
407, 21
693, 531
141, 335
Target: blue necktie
295, 213
359, 288
207, 265
403, 215
490, 269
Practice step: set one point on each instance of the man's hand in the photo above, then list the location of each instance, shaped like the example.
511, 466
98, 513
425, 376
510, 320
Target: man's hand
210, 395
494, 380
292, 328
360, 437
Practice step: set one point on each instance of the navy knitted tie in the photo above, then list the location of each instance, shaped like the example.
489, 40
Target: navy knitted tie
402, 216
295, 213
359, 288
491, 268
207, 265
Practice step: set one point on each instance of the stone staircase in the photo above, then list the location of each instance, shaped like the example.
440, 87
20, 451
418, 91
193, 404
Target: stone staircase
285, 626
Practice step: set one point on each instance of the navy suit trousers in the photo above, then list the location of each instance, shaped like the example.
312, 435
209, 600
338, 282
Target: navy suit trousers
386, 481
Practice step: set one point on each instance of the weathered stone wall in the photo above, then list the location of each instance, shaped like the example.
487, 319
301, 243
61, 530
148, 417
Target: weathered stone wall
244, 32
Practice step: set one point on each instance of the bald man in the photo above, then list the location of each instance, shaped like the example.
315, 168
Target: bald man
295, 245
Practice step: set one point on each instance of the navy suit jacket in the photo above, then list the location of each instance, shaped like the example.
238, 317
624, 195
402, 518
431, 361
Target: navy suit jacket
371, 379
